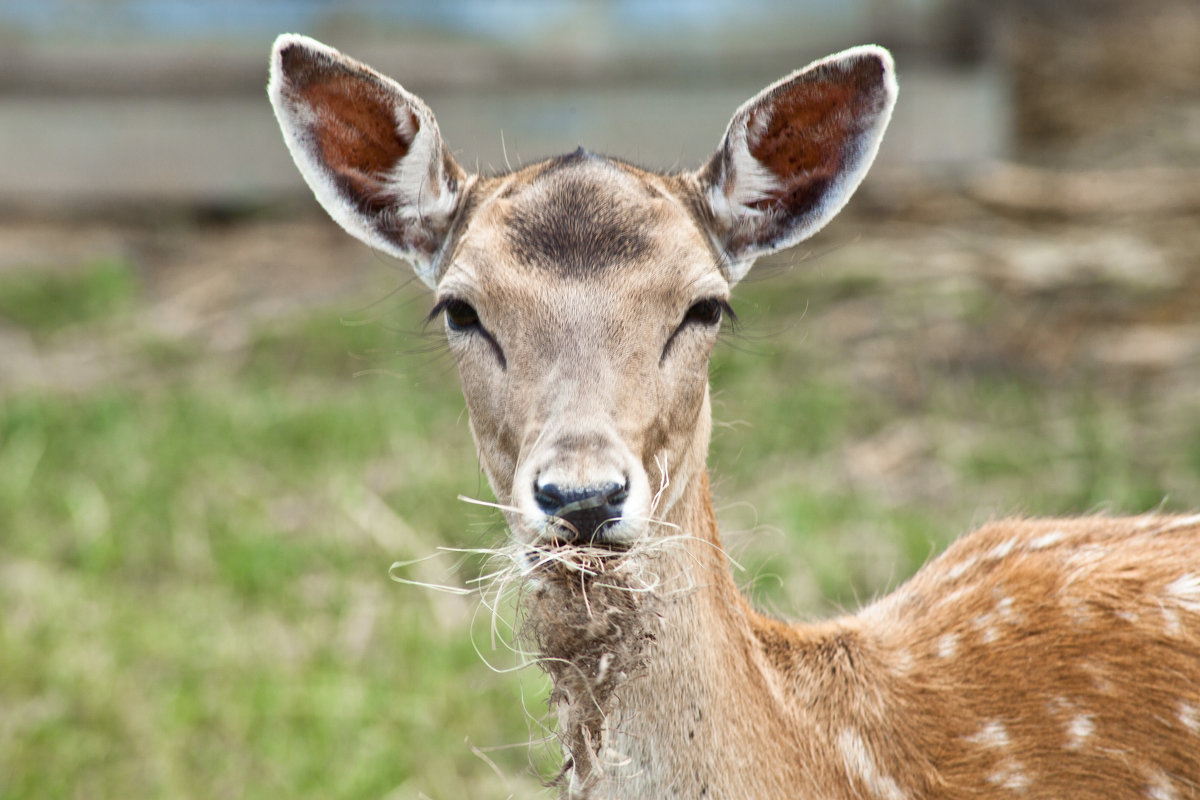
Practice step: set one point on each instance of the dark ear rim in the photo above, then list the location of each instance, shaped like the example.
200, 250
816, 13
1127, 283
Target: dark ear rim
430, 159
733, 156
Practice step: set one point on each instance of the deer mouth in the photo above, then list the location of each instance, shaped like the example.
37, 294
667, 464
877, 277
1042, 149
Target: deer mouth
564, 550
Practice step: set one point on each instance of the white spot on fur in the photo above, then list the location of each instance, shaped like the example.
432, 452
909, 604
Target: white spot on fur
1182, 522
1079, 730
1001, 550
1128, 616
962, 568
947, 645
955, 598
1099, 677
1160, 788
1060, 706
902, 661
1171, 622
1004, 608
986, 625
1011, 775
1185, 590
1086, 556
861, 764
992, 734
1046, 540
1189, 716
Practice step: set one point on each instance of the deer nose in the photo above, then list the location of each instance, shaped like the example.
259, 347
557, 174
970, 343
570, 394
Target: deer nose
586, 510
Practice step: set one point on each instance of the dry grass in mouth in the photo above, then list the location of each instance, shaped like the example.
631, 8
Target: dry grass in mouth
589, 616
593, 616
594, 631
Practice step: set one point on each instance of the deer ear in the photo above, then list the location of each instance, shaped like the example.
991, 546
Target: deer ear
794, 154
369, 150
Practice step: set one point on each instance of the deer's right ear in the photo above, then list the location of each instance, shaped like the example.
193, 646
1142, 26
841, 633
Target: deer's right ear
793, 155
369, 150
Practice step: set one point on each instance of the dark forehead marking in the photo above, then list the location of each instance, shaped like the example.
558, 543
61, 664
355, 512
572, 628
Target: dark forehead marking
577, 225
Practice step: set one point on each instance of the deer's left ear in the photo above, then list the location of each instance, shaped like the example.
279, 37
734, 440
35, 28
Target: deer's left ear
369, 150
794, 154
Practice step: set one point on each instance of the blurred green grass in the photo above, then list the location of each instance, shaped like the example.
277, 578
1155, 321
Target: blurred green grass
191, 607
194, 590
45, 300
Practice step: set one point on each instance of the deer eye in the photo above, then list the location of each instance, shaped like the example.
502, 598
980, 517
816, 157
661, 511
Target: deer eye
705, 312
460, 315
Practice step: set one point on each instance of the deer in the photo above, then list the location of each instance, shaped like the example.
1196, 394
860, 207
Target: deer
581, 297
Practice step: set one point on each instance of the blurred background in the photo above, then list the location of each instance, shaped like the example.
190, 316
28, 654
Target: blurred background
221, 420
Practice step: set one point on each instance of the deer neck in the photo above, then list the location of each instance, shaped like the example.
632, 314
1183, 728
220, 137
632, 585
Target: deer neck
684, 690
707, 691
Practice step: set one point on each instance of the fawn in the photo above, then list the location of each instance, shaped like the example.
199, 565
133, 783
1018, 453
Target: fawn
582, 297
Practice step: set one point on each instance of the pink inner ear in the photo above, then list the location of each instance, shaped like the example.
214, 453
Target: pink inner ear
812, 125
357, 131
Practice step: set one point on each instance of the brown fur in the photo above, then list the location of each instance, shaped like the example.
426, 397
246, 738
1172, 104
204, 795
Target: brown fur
1035, 658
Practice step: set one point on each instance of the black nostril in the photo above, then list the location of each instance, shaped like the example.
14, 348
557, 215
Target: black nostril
550, 498
587, 511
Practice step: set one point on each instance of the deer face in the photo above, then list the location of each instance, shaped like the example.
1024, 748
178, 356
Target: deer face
582, 296
582, 304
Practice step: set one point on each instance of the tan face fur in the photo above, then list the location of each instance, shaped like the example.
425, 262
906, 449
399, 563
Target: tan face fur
582, 295
588, 369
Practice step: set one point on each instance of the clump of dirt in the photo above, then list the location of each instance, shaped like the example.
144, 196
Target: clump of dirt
594, 626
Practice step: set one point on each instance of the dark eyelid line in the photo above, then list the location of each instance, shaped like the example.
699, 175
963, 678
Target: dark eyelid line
446, 306
438, 308
726, 312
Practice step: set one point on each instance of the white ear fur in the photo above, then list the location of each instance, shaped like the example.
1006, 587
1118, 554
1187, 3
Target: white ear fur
743, 182
419, 193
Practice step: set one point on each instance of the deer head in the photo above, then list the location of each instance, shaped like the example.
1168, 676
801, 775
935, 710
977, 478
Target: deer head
582, 295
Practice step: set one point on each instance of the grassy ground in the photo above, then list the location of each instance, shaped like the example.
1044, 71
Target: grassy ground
195, 537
